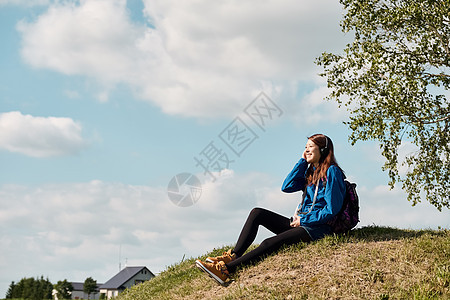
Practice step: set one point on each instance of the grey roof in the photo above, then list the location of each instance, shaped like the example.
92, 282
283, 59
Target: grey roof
79, 286
123, 276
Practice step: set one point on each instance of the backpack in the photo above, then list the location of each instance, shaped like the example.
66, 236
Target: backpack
348, 216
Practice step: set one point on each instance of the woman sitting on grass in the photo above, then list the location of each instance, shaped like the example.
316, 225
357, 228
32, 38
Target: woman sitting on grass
318, 171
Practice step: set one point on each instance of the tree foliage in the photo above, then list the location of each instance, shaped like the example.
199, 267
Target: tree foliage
90, 286
394, 78
64, 289
30, 288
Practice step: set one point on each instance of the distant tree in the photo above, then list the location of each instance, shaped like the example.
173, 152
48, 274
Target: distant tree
10, 292
27, 287
64, 289
30, 288
90, 286
46, 287
394, 78
17, 290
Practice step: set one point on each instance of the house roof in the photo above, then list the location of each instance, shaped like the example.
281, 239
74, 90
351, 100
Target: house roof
123, 276
79, 286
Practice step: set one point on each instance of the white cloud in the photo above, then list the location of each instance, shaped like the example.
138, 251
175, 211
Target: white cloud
384, 207
94, 38
313, 109
39, 136
200, 59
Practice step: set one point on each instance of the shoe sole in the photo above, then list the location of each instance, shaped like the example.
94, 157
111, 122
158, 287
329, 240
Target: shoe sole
212, 275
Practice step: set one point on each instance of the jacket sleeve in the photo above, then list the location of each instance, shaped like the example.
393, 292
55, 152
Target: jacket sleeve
295, 181
332, 198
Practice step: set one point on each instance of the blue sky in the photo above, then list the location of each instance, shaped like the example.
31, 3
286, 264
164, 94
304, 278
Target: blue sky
103, 102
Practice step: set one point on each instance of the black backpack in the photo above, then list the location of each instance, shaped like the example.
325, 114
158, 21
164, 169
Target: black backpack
348, 216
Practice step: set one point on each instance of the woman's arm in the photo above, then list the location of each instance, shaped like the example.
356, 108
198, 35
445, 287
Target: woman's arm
295, 180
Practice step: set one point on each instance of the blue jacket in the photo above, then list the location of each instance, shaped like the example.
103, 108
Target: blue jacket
329, 199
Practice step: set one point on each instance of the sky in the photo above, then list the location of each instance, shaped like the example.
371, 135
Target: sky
105, 104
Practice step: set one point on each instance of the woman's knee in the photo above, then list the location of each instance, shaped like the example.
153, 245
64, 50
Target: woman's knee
255, 212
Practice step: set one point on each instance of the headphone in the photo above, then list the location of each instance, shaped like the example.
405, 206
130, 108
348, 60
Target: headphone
324, 151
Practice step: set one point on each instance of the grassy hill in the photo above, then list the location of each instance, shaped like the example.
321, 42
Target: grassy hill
369, 263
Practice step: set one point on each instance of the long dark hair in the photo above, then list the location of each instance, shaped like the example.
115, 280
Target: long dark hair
326, 160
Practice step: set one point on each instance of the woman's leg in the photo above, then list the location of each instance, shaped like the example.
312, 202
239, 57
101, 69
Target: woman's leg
259, 216
289, 237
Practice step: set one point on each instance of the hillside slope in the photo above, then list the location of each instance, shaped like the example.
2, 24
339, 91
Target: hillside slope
369, 263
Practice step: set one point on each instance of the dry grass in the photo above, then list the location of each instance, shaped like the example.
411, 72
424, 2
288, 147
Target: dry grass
371, 263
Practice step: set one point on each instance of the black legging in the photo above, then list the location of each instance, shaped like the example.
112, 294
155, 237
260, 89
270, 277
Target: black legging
280, 225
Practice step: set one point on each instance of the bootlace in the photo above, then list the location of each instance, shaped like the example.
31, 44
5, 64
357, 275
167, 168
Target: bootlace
222, 268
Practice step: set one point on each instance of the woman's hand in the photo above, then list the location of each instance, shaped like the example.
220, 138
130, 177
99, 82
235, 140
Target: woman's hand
296, 221
304, 154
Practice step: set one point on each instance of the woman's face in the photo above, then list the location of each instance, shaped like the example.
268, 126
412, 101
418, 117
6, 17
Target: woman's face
312, 153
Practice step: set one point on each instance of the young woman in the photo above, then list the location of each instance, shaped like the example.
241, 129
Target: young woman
318, 172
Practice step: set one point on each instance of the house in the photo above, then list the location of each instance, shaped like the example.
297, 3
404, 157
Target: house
78, 291
126, 278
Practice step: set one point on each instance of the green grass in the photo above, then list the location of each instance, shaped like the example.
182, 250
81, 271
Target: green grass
369, 263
